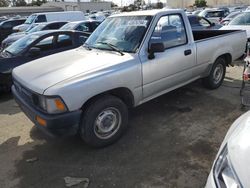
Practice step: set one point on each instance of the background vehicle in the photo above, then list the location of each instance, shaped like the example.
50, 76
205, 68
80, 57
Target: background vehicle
240, 22
128, 60
39, 27
231, 166
85, 26
50, 17
231, 16
213, 15
200, 23
7, 26
34, 46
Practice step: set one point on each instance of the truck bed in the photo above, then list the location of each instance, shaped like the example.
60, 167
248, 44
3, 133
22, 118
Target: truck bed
204, 34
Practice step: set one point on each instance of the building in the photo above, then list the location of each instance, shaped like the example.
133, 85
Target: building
213, 3
26, 11
83, 6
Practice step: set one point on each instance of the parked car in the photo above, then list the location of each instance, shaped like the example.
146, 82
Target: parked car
240, 22
213, 15
128, 60
99, 16
196, 12
231, 16
39, 27
84, 26
225, 9
34, 46
231, 166
200, 23
51, 17
7, 26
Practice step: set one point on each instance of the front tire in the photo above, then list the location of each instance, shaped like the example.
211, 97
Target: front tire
217, 74
104, 121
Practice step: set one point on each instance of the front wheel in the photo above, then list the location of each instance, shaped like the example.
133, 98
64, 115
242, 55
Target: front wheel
104, 121
217, 74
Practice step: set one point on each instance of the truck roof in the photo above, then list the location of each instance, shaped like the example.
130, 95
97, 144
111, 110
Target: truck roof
148, 12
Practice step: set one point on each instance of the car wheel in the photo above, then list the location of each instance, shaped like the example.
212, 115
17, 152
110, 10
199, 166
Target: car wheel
104, 121
217, 74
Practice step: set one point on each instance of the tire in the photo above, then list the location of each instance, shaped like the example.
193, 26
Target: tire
104, 121
216, 75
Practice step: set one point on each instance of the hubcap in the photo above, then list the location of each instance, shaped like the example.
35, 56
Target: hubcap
107, 123
218, 73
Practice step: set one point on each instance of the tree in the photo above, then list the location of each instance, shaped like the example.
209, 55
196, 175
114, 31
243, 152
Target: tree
20, 3
200, 3
159, 5
37, 2
113, 5
4, 3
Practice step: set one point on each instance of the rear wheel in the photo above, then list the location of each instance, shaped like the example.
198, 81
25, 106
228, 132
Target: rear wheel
217, 74
104, 121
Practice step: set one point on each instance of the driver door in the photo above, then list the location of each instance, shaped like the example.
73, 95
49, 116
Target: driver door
172, 67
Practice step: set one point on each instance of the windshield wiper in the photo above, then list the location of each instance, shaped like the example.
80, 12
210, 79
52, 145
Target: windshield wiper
87, 46
113, 47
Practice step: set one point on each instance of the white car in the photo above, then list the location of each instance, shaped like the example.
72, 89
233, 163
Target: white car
213, 15
240, 22
231, 167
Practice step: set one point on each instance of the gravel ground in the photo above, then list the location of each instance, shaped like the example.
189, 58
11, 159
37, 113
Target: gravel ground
171, 142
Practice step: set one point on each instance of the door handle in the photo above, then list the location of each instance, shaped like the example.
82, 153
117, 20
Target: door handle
187, 52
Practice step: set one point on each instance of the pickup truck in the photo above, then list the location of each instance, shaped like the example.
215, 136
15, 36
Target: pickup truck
128, 60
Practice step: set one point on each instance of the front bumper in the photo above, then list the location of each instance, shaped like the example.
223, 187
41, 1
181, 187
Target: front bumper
56, 124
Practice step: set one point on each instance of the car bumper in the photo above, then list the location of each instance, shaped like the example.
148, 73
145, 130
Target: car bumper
210, 181
56, 124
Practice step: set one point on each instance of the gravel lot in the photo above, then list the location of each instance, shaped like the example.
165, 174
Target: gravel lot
171, 142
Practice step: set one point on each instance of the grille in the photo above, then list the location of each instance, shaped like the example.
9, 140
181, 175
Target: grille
27, 95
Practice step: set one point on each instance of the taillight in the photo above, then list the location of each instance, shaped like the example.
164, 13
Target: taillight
246, 74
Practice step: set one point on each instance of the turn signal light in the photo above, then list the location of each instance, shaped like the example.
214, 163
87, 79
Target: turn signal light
41, 121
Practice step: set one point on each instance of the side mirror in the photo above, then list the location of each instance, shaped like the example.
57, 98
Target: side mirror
34, 51
154, 48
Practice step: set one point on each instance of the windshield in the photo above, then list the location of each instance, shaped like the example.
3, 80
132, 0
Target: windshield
68, 26
242, 19
21, 44
30, 19
37, 28
125, 33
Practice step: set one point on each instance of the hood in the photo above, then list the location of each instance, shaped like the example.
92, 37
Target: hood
21, 27
237, 27
238, 142
13, 38
43, 73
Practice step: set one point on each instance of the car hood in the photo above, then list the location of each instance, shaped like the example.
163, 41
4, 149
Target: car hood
45, 72
21, 27
13, 38
238, 143
237, 27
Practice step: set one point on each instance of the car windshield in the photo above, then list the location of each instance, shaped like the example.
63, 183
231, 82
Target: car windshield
30, 19
125, 33
69, 26
21, 44
37, 28
242, 19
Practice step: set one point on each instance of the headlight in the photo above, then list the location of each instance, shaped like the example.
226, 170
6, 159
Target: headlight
224, 174
52, 105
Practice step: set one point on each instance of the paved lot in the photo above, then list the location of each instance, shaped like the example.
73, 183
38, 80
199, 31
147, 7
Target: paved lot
171, 142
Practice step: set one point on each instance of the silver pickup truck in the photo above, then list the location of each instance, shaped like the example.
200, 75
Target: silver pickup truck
130, 59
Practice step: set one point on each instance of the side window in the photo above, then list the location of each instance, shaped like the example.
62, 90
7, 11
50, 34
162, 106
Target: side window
53, 26
95, 25
64, 40
82, 38
204, 22
46, 43
41, 18
83, 27
170, 31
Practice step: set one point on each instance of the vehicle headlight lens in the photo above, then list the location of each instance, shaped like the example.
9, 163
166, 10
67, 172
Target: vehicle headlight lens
52, 105
224, 174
